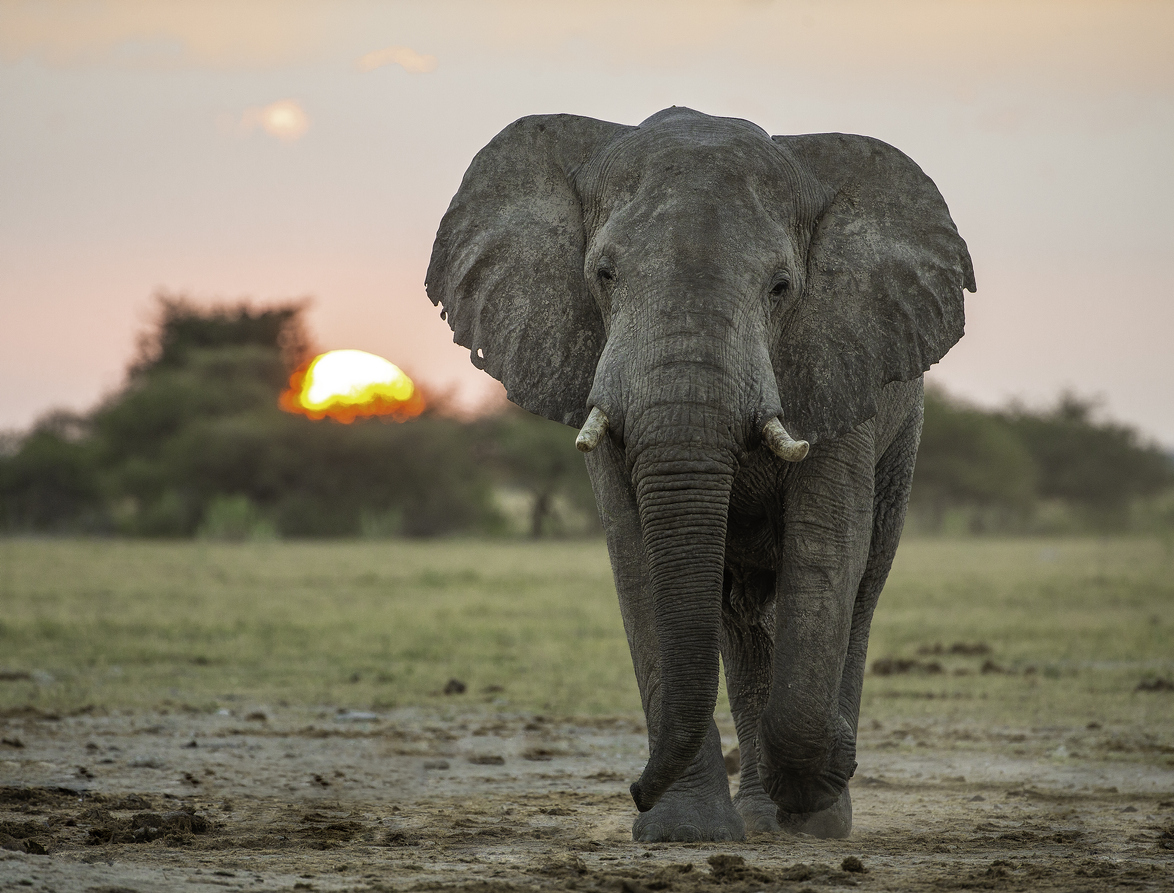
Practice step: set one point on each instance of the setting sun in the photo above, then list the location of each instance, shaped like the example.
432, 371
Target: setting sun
347, 384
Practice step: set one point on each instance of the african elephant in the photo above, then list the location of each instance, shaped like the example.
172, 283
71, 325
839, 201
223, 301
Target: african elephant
740, 324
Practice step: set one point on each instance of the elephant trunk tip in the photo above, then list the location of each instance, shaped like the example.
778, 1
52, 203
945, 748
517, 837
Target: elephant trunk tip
592, 431
783, 444
642, 800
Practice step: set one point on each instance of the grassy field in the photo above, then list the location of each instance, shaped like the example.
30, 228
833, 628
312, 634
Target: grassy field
1066, 629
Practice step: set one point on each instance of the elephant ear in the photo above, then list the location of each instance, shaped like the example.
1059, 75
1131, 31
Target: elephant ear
507, 264
882, 300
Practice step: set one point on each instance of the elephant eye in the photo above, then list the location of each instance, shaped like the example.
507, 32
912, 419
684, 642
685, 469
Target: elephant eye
781, 286
606, 271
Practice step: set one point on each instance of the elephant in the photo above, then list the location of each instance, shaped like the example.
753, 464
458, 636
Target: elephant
739, 324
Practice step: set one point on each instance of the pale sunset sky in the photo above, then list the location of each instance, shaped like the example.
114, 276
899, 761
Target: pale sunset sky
276, 150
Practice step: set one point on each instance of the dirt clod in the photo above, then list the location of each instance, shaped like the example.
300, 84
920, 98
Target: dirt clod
175, 828
1157, 683
893, 666
852, 864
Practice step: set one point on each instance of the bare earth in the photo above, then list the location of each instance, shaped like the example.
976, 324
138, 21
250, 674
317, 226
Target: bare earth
473, 800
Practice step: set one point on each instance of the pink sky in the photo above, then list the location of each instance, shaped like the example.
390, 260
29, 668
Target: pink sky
285, 149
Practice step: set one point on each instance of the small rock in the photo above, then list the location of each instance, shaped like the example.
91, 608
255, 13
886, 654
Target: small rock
455, 687
355, 716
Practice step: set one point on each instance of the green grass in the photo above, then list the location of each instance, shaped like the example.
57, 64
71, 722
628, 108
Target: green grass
125, 623
1075, 623
128, 624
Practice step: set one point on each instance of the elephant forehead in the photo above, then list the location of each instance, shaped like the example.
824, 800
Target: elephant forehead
686, 232
708, 180
696, 153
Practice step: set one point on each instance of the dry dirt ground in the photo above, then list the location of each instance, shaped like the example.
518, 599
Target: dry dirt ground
458, 799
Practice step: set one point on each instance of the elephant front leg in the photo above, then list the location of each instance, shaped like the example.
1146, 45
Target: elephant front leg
697, 807
807, 739
893, 480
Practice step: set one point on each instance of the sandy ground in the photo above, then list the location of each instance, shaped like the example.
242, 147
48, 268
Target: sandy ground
288, 799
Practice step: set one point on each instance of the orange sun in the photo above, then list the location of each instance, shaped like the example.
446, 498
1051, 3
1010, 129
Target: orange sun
347, 384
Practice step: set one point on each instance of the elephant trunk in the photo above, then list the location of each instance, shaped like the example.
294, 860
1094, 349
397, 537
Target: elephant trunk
683, 491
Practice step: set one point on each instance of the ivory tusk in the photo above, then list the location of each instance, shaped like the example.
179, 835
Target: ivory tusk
593, 429
781, 443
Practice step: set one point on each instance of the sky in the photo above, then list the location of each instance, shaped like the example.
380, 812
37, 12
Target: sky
289, 150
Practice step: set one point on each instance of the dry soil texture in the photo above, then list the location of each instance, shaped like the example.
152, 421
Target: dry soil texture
479, 801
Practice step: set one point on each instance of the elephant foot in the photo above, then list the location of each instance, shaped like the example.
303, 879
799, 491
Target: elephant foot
681, 818
759, 814
834, 822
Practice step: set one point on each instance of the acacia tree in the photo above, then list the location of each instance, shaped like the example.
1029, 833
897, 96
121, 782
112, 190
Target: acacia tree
197, 428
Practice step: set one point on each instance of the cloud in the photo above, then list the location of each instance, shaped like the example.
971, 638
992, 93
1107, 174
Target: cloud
286, 120
405, 57
149, 35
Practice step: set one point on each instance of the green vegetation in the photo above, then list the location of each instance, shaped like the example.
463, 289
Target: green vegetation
1017, 471
1067, 628
196, 445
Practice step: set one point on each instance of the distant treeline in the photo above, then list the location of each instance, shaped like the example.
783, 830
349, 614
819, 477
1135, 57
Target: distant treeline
1053, 471
195, 445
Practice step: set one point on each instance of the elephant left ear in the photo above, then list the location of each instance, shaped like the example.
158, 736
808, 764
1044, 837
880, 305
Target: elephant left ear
885, 272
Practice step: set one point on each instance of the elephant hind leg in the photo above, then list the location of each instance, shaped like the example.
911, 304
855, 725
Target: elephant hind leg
747, 646
748, 654
833, 823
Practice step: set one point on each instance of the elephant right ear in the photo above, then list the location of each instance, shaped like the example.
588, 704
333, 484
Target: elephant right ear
885, 275
507, 264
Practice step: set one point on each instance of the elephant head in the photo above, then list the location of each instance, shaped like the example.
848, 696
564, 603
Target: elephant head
687, 288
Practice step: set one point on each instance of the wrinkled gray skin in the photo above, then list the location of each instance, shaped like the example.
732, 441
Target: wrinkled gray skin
694, 278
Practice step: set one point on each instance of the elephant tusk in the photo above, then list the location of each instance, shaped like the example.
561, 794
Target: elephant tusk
783, 444
593, 429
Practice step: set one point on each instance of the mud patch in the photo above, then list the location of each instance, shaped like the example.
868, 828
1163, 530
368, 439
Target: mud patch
479, 801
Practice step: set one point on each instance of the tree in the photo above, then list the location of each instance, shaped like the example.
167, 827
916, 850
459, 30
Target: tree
1100, 467
973, 459
197, 427
539, 456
